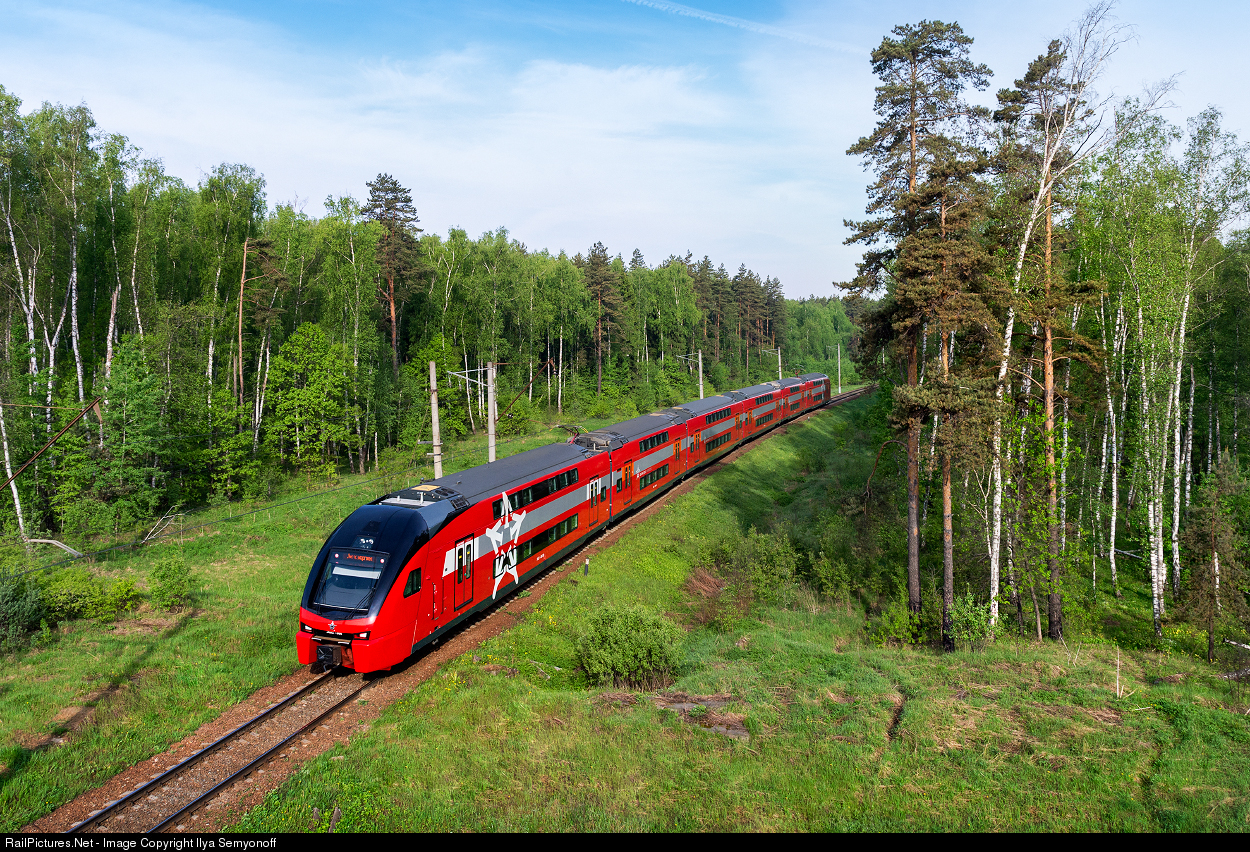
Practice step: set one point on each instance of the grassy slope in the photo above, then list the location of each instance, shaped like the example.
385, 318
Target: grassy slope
154, 677
1020, 736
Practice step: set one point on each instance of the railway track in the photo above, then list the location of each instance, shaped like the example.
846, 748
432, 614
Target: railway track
170, 799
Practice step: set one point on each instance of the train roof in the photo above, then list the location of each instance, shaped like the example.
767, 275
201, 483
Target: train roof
757, 390
504, 474
637, 427
813, 377
702, 406
790, 382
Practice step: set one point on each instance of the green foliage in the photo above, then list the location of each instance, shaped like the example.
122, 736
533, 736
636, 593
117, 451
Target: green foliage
76, 592
308, 378
970, 621
829, 577
171, 582
897, 624
629, 646
21, 608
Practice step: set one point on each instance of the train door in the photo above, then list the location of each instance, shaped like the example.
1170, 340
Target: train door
593, 488
463, 579
627, 484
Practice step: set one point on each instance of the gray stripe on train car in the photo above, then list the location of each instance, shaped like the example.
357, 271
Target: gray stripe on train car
764, 409
716, 430
483, 545
649, 461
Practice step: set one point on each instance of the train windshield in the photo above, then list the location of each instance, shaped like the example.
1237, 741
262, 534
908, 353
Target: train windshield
349, 578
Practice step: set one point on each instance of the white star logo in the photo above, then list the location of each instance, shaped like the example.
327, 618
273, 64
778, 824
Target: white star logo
331, 627
503, 538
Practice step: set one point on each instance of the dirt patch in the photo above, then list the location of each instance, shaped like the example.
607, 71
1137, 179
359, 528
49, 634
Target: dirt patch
619, 700
1172, 678
1107, 716
706, 711
896, 719
495, 669
148, 625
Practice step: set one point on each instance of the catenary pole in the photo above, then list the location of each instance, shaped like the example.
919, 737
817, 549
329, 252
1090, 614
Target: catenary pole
438, 446
491, 414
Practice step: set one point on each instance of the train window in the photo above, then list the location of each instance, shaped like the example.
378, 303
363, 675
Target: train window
464, 561
652, 442
537, 491
717, 416
349, 578
547, 536
654, 476
414, 583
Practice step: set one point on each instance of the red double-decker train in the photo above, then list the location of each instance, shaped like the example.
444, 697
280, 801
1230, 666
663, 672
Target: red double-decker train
404, 570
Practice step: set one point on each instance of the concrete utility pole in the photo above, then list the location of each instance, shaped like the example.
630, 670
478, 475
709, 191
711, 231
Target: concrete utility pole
491, 413
839, 366
700, 374
438, 446
778, 363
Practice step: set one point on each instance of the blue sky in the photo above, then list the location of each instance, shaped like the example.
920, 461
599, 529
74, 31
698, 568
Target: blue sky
718, 128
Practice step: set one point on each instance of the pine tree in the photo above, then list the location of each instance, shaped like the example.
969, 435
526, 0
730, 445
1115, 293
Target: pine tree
924, 71
391, 205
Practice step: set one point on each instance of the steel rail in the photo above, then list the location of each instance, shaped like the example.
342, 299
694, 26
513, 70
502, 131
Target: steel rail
264, 758
192, 759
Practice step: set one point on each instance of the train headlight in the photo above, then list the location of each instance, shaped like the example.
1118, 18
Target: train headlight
364, 635
305, 627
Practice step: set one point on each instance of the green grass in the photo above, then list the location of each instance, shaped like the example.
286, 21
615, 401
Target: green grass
844, 735
154, 677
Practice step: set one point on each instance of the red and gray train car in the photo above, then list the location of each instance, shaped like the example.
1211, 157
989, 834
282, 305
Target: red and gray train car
404, 570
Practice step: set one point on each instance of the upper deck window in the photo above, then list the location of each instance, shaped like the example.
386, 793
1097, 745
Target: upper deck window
537, 491
717, 416
652, 442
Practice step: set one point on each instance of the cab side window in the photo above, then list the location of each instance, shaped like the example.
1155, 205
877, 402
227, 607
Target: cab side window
414, 583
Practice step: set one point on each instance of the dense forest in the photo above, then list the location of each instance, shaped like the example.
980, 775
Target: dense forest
232, 343
1066, 288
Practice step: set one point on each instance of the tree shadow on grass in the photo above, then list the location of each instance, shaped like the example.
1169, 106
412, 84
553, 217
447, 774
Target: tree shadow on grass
17, 759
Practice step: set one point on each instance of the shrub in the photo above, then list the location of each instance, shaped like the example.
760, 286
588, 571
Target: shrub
970, 621
629, 647
830, 577
171, 582
21, 609
897, 624
77, 593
